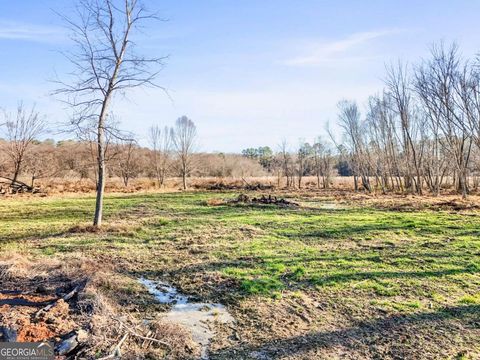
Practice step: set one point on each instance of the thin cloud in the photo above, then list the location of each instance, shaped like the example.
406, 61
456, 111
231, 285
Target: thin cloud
30, 32
332, 50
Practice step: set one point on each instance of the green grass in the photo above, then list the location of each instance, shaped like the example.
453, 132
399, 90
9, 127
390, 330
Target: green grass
412, 257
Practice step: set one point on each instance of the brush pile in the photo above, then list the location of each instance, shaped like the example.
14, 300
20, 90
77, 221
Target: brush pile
9, 186
262, 200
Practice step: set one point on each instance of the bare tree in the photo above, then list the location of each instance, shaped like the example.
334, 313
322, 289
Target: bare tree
383, 143
303, 155
40, 162
354, 133
184, 141
287, 163
322, 162
105, 64
127, 160
436, 84
468, 89
21, 129
398, 85
161, 143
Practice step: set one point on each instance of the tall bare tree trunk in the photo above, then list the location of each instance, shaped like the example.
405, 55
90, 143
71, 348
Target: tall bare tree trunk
16, 172
184, 179
104, 62
97, 219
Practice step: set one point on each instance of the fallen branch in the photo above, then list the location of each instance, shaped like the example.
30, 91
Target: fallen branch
17, 185
64, 298
116, 350
134, 333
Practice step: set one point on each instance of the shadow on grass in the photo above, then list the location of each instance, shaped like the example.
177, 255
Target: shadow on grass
380, 275
251, 276
369, 228
419, 335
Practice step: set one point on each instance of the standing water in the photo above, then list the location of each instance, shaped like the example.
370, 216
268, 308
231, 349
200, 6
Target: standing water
198, 318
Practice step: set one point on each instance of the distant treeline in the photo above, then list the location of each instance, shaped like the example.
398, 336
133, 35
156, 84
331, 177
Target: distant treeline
420, 133
76, 160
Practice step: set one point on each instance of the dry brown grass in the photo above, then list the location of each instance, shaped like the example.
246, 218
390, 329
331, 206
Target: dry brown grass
72, 187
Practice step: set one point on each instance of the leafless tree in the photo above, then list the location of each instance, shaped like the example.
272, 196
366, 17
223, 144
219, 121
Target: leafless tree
287, 163
105, 64
184, 137
127, 161
303, 156
40, 162
383, 142
20, 130
354, 134
161, 142
399, 90
322, 162
468, 89
436, 84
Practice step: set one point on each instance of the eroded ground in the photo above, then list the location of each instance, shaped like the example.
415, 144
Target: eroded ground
340, 276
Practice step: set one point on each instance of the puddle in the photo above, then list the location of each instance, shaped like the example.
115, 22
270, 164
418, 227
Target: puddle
164, 293
199, 318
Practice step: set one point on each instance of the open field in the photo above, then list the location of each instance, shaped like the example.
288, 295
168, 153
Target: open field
340, 276
239, 180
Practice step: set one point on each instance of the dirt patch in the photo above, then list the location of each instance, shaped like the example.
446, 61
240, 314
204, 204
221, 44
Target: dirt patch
37, 301
316, 327
105, 229
21, 323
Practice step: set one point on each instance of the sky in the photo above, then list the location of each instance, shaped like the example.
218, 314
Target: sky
249, 73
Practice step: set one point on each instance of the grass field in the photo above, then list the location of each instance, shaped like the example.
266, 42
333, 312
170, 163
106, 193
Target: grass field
324, 280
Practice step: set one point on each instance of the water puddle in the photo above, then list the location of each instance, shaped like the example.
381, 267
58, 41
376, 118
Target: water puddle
199, 318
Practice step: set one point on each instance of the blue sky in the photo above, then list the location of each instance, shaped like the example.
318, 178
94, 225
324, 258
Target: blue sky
250, 72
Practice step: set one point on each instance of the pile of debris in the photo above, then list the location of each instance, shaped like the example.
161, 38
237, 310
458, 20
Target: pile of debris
269, 200
10, 186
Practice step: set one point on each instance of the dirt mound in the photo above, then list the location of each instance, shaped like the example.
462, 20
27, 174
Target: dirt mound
23, 320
